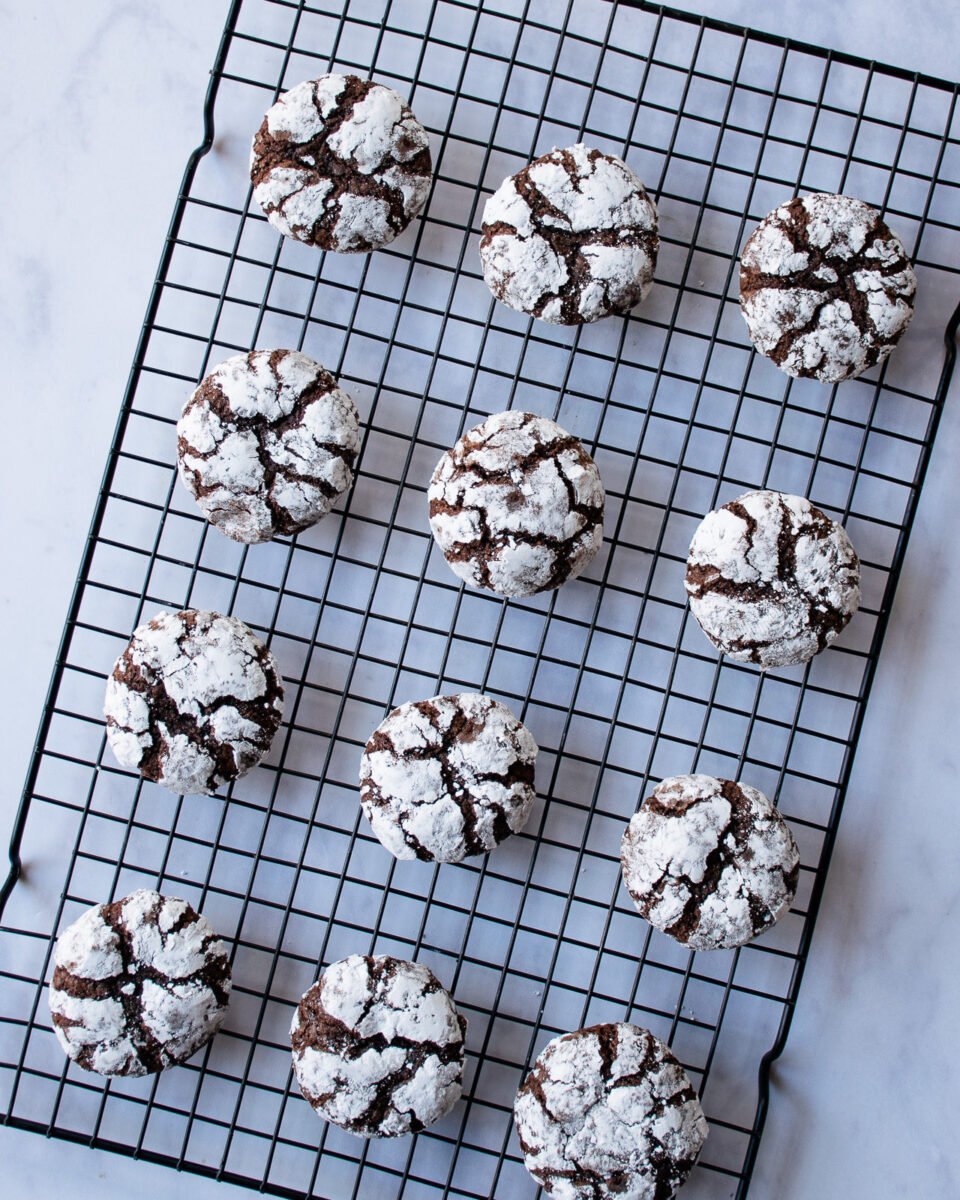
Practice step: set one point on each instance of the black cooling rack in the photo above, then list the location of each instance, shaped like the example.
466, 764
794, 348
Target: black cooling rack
617, 683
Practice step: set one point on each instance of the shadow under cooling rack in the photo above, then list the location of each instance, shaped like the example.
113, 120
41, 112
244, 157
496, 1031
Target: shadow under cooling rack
616, 682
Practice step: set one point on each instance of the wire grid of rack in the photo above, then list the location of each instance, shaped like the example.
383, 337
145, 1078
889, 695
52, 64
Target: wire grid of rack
613, 677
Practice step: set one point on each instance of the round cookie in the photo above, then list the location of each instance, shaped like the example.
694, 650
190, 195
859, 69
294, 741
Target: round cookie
517, 505
341, 163
609, 1112
771, 579
194, 701
139, 985
710, 862
266, 444
825, 288
446, 778
571, 238
378, 1046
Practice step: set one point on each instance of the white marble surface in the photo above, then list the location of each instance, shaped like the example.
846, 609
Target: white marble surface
103, 104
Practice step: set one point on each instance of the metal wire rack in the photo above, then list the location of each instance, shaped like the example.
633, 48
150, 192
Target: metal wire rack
618, 685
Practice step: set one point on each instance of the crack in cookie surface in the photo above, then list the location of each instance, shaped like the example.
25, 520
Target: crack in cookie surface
570, 238
608, 1112
826, 288
378, 1046
516, 505
139, 985
709, 861
341, 163
771, 579
194, 701
447, 778
267, 444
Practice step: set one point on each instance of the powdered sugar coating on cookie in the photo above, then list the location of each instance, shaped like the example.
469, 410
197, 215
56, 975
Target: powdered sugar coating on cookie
138, 985
194, 701
516, 505
609, 1112
378, 1046
341, 163
710, 862
570, 238
266, 444
826, 288
771, 579
446, 778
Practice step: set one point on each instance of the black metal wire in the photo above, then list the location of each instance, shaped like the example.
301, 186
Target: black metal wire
616, 682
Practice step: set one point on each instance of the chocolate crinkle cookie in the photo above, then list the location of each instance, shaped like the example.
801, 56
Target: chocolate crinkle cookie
570, 238
139, 985
341, 163
825, 288
266, 444
608, 1112
194, 701
378, 1046
771, 579
710, 862
446, 778
517, 505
